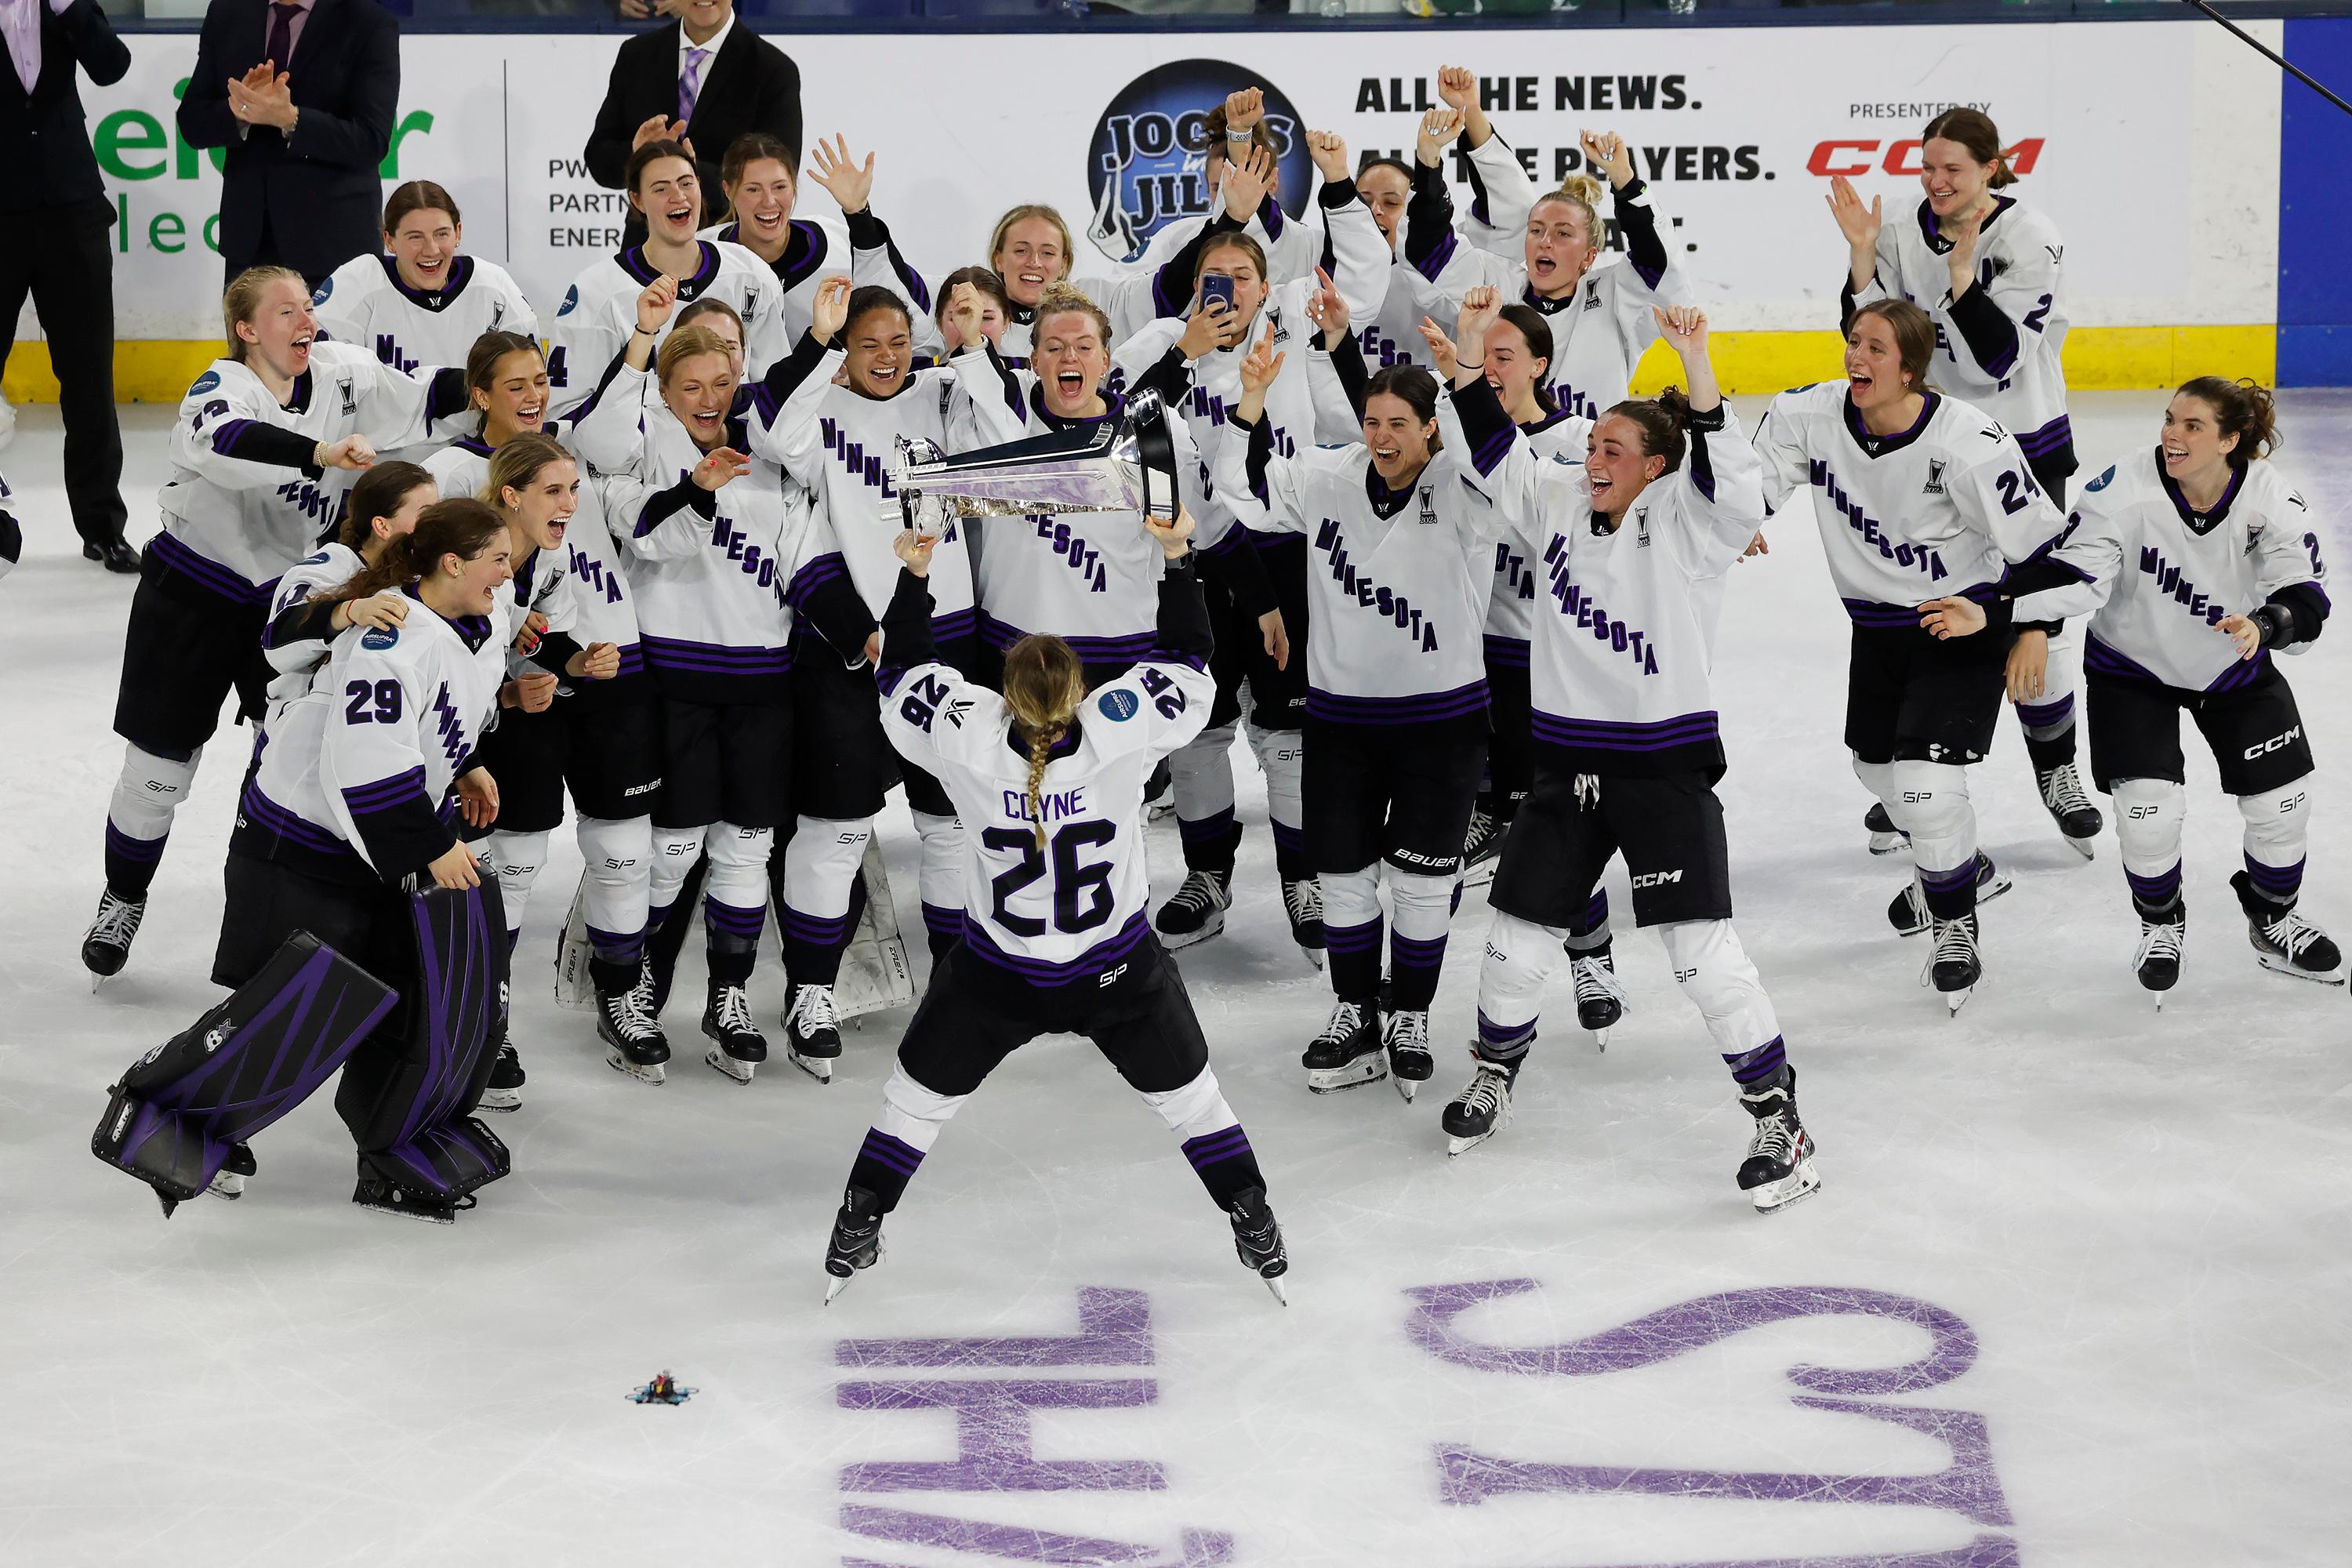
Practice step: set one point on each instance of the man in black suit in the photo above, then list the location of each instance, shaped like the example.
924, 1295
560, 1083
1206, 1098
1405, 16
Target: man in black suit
702, 79
57, 248
302, 95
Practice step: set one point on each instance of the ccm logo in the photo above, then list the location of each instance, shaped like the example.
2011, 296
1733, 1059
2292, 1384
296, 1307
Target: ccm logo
1655, 879
2274, 744
1901, 157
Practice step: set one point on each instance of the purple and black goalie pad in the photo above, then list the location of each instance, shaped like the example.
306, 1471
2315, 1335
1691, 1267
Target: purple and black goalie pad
239, 1067
408, 1100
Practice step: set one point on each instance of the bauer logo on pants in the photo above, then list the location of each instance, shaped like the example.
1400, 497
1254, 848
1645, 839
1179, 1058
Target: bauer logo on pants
1147, 165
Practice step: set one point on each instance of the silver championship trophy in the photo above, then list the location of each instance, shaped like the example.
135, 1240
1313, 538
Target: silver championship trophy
1127, 464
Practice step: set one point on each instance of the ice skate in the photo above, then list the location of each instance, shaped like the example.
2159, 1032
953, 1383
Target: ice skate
1484, 1107
812, 1031
229, 1181
1257, 1240
2162, 934
1302, 902
1909, 913
1405, 1038
1347, 1052
1197, 910
628, 1024
388, 1197
1482, 848
737, 1047
2070, 807
1779, 1169
2284, 941
857, 1241
106, 945
504, 1091
1886, 838
1954, 967
1599, 1001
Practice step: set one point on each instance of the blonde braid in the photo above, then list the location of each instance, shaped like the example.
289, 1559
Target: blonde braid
1041, 752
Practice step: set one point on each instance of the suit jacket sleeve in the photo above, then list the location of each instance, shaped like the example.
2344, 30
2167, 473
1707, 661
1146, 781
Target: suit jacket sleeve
780, 105
204, 116
360, 137
103, 55
609, 140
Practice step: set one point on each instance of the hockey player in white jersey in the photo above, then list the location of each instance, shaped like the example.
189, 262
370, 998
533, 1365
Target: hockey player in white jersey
1599, 306
305, 616
1635, 541
1399, 571
254, 435
833, 413
599, 314
359, 781
1988, 271
1917, 497
2195, 563
726, 563
1050, 778
423, 301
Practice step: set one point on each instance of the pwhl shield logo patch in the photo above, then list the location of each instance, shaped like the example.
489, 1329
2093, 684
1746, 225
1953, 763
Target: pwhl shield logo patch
1146, 166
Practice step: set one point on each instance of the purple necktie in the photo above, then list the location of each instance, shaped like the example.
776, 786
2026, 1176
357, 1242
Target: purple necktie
689, 82
281, 35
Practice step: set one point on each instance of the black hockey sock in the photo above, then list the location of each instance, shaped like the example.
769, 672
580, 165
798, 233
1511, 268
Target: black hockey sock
885, 1165
1355, 958
2050, 750
1224, 1162
730, 960
812, 946
1210, 842
1950, 894
2266, 893
131, 863
1413, 966
1594, 919
609, 977
1506, 1044
1752, 1068
1291, 862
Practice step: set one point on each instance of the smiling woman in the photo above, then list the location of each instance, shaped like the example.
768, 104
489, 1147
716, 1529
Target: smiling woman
422, 300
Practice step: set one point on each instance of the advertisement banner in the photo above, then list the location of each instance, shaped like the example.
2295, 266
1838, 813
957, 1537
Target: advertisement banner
1738, 130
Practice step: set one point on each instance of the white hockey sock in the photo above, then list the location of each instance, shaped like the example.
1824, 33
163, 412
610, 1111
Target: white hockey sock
2149, 817
1202, 773
938, 872
675, 849
1351, 931
735, 892
619, 855
1520, 956
1878, 778
1715, 972
2051, 714
915, 1115
2278, 829
517, 858
1931, 804
1421, 909
820, 870
1197, 1109
1282, 757
147, 793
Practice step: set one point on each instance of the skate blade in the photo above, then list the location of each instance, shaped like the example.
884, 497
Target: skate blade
656, 1074
1478, 876
227, 1184
2277, 966
1601, 1039
1355, 1075
834, 1285
728, 1068
1314, 957
426, 1216
1273, 1284
1888, 843
817, 1067
1172, 940
1405, 1087
1457, 1147
2088, 848
1956, 1000
1794, 1188
499, 1099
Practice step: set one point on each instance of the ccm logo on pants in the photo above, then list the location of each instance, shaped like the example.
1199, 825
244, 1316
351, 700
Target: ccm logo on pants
1656, 879
2273, 743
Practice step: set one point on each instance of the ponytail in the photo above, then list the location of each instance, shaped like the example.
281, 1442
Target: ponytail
1043, 684
1529, 324
460, 526
382, 491
2241, 408
1662, 420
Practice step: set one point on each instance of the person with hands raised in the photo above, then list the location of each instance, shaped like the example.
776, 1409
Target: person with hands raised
1988, 270
1049, 775
2238, 577
1395, 711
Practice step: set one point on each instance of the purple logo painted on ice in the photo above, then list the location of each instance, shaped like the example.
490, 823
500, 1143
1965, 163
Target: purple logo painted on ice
992, 1437
1968, 1485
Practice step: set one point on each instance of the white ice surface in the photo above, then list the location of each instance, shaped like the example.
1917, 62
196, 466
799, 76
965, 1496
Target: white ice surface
2143, 1219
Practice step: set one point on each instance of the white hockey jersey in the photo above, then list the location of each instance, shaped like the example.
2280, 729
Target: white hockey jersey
599, 315
364, 303
295, 640
2000, 349
722, 577
1089, 578
1501, 197
839, 445
1598, 333
242, 504
1519, 574
1072, 910
359, 772
1625, 631
2158, 578
1397, 582
1943, 507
